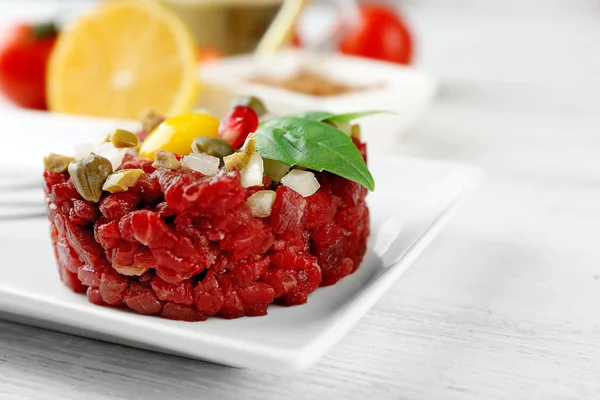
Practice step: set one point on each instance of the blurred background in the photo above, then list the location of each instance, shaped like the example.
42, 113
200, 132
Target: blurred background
538, 48
504, 70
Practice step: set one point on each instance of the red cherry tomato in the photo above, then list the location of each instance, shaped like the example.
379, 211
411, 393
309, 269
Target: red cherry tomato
237, 125
23, 60
380, 34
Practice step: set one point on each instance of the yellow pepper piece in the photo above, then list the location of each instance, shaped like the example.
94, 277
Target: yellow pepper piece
176, 134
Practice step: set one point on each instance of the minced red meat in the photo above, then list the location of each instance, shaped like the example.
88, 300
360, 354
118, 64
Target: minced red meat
185, 246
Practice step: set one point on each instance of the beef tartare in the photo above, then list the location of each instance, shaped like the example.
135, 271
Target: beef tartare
206, 218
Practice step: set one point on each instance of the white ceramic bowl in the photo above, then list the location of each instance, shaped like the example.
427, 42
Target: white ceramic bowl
403, 90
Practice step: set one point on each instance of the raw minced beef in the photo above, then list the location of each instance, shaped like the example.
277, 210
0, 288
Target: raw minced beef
186, 246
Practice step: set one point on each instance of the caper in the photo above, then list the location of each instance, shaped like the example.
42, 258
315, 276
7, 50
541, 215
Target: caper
165, 159
250, 144
122, 180
122, 139
254, 103
57, 163
236, 161
89, 174
151, 119
212, 146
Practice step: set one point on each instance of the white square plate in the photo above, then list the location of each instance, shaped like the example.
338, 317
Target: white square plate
413, 200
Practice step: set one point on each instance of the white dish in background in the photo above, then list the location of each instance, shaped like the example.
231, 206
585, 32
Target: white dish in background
403, 90
413, 200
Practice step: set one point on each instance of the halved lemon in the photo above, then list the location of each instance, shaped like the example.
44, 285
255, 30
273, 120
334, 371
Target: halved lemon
122, 58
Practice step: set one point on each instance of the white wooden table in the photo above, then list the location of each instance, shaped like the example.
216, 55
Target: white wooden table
505, 304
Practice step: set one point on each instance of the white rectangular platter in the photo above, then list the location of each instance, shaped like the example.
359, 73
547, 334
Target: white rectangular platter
413, 200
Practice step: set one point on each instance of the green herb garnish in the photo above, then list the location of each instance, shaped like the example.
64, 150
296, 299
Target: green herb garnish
316, 115
308, 141
339, 118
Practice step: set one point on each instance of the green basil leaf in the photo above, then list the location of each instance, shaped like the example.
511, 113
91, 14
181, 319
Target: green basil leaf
339, 118
316, 115
312, 144
347, 117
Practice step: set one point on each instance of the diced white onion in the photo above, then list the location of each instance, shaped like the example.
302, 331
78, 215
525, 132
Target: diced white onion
203, 163
303, 182
261, 203
117, 160
83, 150
104, 149
131, 271
108, 151
275, 169
103, 137
252, 173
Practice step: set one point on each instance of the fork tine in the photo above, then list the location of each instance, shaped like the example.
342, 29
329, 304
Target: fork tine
15, 217
21, 194
20, 186
24, 204
12, 172
20, 198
